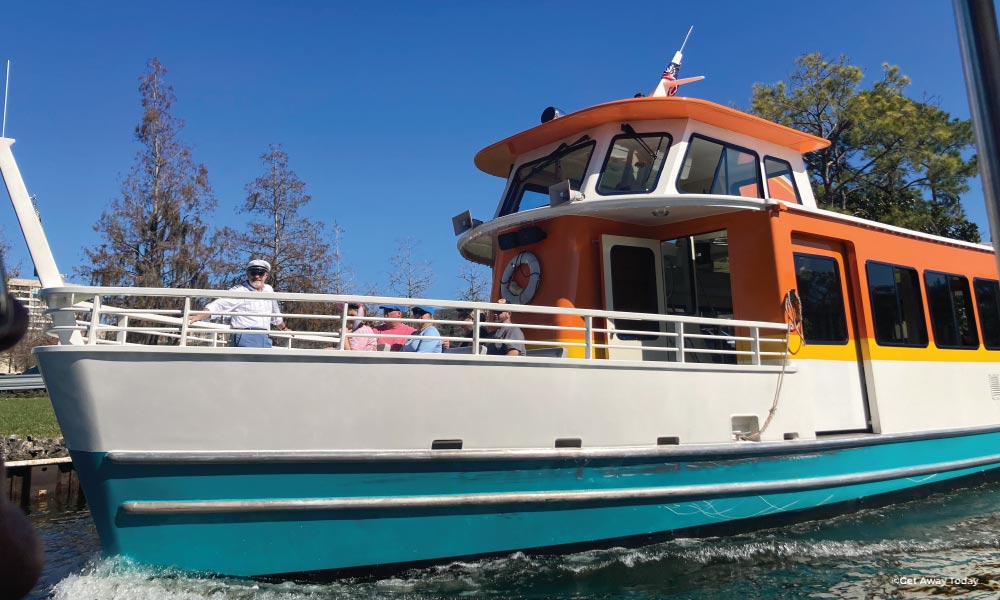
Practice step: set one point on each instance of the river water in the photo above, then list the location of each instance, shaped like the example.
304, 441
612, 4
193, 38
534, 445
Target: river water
946, 545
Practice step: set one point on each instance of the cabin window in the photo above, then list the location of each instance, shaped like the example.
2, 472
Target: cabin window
988, 302
530, 186
820, 290
780, 181
697, 283
950, 303
633, 164
897, 310
633, 289
713, 167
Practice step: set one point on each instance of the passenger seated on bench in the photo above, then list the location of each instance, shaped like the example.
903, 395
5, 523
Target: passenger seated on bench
421, 343
466, 332
359, 340
504, 341
390, 331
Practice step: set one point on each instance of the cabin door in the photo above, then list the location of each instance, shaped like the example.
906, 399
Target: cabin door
830, 329
633, 282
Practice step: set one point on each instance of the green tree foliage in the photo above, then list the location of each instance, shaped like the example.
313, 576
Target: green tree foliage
300, 257
891, 159
154, 235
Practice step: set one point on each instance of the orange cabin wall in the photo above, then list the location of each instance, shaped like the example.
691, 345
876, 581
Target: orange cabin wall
761, 264
861, 244
570, 261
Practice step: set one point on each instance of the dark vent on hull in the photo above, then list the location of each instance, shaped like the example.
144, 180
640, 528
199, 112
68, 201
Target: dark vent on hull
446, 445
569, 443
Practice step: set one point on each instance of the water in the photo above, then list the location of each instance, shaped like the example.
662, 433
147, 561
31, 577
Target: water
946, 545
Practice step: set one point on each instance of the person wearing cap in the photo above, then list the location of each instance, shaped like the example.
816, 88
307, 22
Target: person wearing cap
390, 333
257, 271
504, 341
428, 337
465, 331
361, 336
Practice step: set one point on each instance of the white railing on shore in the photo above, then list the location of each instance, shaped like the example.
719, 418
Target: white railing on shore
319, 321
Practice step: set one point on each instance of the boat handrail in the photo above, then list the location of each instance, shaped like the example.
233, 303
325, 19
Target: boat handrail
318, 321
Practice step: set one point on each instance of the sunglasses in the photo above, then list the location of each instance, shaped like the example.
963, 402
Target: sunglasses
258, 272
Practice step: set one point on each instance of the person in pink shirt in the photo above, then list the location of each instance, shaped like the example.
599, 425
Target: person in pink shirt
359, 339
389, 331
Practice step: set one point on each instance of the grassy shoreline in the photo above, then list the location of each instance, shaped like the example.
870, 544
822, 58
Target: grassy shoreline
28, 415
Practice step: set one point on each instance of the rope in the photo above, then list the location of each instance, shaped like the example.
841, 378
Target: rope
793, 316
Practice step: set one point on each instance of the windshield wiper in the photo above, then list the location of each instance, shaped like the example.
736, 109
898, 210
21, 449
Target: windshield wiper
628, 129
551, 156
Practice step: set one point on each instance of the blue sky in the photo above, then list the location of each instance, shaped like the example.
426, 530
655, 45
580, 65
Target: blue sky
382, 106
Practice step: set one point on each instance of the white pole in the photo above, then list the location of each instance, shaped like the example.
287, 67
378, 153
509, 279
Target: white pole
38, 245
6, 85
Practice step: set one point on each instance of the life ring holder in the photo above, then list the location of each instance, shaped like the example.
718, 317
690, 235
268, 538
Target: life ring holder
510, 289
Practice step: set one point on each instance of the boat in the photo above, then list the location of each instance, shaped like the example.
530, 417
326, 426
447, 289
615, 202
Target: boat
706, 348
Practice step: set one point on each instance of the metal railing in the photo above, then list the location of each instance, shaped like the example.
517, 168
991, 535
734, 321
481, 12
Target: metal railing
320, 321
21, 383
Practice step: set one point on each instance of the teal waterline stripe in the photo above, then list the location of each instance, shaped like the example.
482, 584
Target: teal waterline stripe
287, 541
672, 493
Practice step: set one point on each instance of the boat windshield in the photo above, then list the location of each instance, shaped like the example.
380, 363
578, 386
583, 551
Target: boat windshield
714, 167
530, 185
633, 164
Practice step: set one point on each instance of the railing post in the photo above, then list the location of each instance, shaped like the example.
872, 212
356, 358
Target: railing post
679, 329
755, 344
184, 320
588, 349
475, 329
343, 327
123, 333
95, 317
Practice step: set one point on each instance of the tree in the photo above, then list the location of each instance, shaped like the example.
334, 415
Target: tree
296, 247
341, 275
409, 277
475, 283
153, 235
12, 269
20, 358
891, 159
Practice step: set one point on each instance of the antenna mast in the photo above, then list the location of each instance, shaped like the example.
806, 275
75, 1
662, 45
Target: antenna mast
3, 127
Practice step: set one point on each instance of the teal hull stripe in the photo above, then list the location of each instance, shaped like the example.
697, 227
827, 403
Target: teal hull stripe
355, 533
671, 494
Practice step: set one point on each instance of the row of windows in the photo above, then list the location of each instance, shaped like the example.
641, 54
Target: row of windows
634, 163
897, 305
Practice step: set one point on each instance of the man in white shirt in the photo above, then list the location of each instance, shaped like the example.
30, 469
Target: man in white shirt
257, 271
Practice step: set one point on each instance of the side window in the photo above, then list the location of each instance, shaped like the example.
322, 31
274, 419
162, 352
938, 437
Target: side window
823, 318
988, 301
633, 164
780, 183
530, 186
897, 311
712, 167
950, 303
